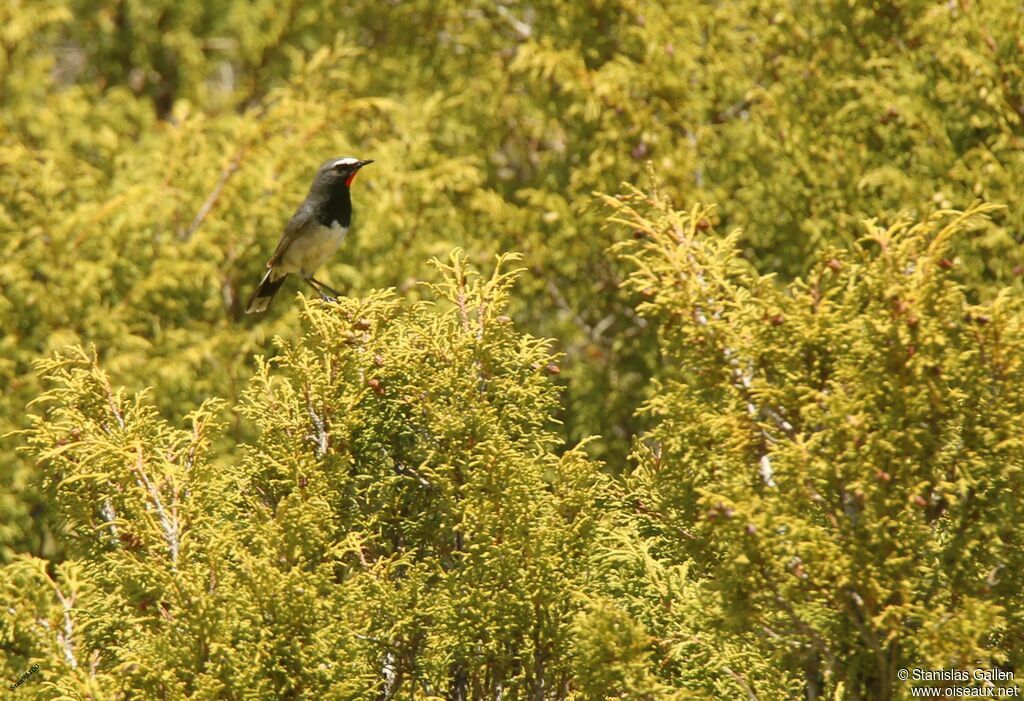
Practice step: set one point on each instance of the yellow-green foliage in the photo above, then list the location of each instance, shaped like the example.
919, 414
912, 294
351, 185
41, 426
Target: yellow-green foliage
837, 456
402, 525
822, 414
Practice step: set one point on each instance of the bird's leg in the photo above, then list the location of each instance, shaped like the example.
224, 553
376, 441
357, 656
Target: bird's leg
316, 286
321, 285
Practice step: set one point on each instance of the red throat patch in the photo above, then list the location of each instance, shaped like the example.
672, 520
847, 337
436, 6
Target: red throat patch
348, 183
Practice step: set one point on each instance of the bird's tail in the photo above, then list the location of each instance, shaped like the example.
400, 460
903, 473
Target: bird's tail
264, 293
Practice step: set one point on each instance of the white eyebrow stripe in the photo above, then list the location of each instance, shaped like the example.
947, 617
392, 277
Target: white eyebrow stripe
347, 161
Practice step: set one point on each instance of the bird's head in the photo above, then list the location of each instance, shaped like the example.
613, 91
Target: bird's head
339, 171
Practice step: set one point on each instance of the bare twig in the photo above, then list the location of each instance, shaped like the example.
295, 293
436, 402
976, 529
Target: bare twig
168, 521
110, 516
319, 426
741, 680
214, 195
65, 636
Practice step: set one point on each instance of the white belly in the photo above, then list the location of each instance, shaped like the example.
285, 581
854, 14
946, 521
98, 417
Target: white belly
312, 249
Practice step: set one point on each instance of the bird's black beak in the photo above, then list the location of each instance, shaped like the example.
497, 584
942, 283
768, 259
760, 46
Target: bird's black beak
360, 164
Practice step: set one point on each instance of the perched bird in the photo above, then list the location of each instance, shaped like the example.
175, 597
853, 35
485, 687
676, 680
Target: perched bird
314, 233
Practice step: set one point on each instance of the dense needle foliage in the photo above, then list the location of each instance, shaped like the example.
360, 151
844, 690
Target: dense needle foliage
772, 449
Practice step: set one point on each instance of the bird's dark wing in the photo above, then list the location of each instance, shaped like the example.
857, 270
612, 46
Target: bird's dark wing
304, 216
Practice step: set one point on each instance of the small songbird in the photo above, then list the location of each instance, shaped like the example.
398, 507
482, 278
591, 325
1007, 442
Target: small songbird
314, 233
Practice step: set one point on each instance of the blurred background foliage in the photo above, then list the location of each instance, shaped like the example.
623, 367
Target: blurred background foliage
150, 153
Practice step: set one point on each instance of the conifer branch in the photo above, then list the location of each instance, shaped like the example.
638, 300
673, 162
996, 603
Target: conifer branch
168, 521
320, 435
65, 636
